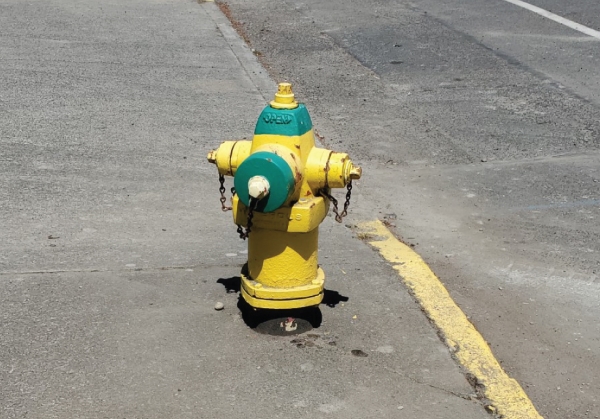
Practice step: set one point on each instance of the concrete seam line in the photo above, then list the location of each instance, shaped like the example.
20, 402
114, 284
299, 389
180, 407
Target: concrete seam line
254, 70
257, 74
504, 395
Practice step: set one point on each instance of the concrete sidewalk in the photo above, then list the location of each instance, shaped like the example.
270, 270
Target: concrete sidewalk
115, 249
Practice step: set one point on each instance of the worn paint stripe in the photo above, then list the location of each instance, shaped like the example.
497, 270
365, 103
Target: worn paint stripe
563, 21
504, 395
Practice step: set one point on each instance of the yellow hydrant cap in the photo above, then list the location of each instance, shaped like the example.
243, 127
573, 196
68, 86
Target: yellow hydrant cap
284, 98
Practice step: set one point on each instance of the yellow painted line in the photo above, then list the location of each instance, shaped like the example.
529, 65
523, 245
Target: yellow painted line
504, 395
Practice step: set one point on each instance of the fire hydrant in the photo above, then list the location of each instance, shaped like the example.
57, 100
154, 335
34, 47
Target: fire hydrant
282, 186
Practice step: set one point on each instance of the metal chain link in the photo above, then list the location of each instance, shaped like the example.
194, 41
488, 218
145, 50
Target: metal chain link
339, 217
347, 202
222, 189
244, 234
253, 202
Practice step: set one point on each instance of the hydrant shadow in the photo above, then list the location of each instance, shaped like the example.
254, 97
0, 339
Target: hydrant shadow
280, 322
333, 298
232, 285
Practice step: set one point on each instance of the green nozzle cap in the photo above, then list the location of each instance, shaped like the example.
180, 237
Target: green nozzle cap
275, 170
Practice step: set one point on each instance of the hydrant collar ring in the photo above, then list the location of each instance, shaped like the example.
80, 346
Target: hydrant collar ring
327, 170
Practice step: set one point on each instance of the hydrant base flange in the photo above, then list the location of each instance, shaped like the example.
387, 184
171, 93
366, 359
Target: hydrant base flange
259, 296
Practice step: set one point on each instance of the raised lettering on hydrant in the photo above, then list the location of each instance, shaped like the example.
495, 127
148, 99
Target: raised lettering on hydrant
282, 193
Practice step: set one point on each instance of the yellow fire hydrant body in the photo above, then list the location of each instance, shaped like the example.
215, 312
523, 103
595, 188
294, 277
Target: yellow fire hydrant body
282, 182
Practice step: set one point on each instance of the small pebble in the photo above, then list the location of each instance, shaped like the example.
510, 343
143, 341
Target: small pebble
219, 306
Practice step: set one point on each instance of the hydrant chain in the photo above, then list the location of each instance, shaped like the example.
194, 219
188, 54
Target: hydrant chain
244, 234
339, 217
222, 189
347, 202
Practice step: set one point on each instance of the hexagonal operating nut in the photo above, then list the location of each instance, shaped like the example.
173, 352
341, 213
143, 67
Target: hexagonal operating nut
355, 172
258, 187
212, 156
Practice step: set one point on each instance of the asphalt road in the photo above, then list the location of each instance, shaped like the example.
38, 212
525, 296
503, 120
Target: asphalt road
478, 125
